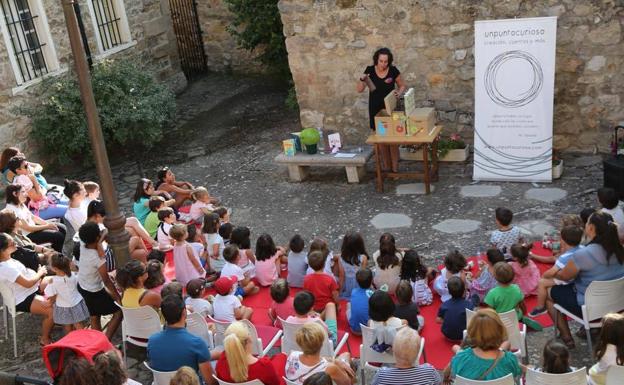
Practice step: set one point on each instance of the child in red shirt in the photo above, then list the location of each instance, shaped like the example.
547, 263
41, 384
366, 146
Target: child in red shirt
320, 284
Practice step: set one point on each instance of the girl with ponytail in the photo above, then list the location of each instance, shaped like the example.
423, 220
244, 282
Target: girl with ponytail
556, 358
238, 364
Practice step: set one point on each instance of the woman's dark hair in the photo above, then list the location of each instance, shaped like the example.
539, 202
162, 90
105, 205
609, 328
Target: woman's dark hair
454, 262
161, 174
404, 292
387, 252
225, 230
191, 231
556, 358
4, 241
211, 223
155, 276
608, 198
296, 243
611, 333
128, 275
8, 220
61, 262
15, 163
12, 194
7, 154
319, 378
411, 267
383, 51
585, 214
494, 256
71, 187
380, 306
352, 248
520, 252
78, 371
607, 235
108, 368
265, 247
96, 208
240, 237
141, 187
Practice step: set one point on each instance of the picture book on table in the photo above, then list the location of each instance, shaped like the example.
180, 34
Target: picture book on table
289, 147
334, 142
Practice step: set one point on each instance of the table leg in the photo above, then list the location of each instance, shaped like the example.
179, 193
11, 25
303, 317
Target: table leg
426, 168
297, 173
378, 168
354, 173
434, 159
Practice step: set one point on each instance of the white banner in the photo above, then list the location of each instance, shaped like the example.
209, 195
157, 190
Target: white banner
514, 90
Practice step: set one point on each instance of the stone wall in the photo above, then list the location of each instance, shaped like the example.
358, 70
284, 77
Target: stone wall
151, 29
222, 53
331, 41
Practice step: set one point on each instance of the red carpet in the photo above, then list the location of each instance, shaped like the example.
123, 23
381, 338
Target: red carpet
437, 347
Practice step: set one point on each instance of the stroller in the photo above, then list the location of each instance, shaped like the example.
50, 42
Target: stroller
84, 343
613, 167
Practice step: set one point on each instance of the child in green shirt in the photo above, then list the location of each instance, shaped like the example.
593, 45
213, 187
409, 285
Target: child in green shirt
155, 203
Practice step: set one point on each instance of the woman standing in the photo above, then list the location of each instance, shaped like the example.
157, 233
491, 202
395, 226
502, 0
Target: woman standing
385, 78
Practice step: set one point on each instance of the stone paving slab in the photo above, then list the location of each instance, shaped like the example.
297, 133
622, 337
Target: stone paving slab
547, 195
413, 188
480, 191
391, 221
457, 226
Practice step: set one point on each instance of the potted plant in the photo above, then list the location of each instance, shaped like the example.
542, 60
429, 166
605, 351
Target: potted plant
557, 165
310, 138
451, 149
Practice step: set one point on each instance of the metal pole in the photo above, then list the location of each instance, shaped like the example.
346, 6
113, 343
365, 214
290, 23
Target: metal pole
115, 221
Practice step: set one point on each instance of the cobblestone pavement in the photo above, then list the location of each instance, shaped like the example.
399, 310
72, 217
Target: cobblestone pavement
228, 133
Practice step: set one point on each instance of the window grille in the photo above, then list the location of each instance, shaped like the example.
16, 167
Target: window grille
27, 47
107, 22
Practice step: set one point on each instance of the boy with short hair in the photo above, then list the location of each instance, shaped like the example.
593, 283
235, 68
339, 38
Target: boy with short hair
452, 313
226, 305
231, 269
609, 201
506, 234
297, 264
304, 303
155, 203
570, 242
357, 308
167, 218
320, 284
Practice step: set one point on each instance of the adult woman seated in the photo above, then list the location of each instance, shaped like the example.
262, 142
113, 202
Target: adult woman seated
8, 175
238, 364
28, 252
144, 190
131, 278
30, 225
44, 205
601, 260
24, 283
180, 191
301, 365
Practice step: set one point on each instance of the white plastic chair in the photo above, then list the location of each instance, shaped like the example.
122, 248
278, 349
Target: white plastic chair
289, 342
516, 332
533, 377
160, 378
368, 355
270, 333
289, 382
196, 324
138, 324
252, 382
615, 374
601, 298
8, 299
507, 380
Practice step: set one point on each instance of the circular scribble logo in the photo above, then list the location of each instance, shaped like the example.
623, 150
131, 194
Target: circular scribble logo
506, 59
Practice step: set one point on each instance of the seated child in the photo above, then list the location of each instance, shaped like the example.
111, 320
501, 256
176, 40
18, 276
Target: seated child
282, 306
187, 265
609, 350
231, 269
152, 221
555, 358
201, 204
506, 235
223, 213
268, 260
454, 264
406, 309
240, 237
354, 257
357, 308
214, 243
570, 240
484, 279
155, 276
195, 239
452, 313
225, 231
93, 192
418, 275
304, 313
526, 272
227, 306
167, 218
195, 300
566, 220
333, 267
320, 284
297, 261
385, 325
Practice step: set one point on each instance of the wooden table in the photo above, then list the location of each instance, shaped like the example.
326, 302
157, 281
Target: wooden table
428, 139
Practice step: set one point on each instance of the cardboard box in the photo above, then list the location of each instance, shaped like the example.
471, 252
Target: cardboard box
420, 119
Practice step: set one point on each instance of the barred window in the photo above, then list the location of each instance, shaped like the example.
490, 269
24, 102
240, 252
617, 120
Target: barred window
111, 25
27, 37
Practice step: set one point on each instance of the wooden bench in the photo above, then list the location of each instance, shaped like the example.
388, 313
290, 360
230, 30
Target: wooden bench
299, 164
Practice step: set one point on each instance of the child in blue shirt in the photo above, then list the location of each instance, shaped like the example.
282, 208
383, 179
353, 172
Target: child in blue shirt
358, 312
452, 313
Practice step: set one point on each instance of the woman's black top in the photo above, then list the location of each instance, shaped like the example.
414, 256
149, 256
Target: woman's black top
384, 87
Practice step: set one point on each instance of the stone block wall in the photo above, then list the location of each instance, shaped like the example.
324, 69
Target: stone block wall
222, 52
330, 42
150, 27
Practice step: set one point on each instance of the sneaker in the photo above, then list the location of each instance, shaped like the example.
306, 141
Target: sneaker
538, 311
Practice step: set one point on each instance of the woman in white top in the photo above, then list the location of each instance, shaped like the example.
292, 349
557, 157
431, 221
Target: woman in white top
24, 283
76, 214
35, 228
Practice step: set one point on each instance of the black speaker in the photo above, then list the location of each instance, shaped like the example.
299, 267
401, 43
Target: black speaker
613, 168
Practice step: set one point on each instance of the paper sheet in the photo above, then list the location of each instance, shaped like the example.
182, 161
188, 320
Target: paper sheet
343, 155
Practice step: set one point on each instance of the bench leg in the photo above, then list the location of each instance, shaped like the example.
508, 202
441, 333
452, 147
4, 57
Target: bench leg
354, 173
297, 173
